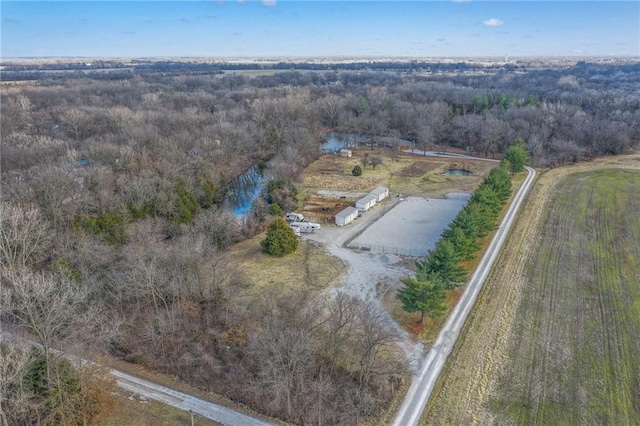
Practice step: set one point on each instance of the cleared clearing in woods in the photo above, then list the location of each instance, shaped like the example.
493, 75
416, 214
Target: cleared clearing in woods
554, 336
403, 173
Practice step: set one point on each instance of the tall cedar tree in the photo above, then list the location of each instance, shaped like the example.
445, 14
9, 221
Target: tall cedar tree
517, 156
467, 222
443, 262
500, 181
280, 239
466, 247
426, 297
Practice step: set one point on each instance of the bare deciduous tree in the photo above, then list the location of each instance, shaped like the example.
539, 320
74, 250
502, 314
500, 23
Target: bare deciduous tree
14, 397
25, 237
285, 357
43, 304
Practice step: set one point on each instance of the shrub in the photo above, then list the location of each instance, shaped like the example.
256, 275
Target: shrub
357, 171
187, 205
206, 192
275, 210
280, 239
109, 225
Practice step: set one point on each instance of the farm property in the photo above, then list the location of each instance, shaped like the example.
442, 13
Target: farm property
553, 339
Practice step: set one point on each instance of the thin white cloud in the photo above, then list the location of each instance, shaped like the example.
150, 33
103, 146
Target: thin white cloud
269, 3
493, 22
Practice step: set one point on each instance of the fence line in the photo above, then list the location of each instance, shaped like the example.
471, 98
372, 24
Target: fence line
401, 251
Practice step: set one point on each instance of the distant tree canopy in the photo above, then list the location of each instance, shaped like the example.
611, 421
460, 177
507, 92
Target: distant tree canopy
280, 239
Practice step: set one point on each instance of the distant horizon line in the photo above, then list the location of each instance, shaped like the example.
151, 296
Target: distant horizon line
323, 57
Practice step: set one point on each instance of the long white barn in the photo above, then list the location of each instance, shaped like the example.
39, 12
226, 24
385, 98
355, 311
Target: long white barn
366, 202
346, 216
381, 193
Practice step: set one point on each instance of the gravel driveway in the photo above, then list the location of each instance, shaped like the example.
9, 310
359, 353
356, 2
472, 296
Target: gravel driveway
369, 275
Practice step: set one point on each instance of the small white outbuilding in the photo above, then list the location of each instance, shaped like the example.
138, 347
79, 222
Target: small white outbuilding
346, 216
381, 193
345, 153
366, 202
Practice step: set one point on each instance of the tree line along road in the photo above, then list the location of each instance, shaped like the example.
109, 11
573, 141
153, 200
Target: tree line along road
424, 381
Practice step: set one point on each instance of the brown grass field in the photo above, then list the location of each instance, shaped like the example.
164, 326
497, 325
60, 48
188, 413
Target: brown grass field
149, 413
402, 173
554, 335
310, 267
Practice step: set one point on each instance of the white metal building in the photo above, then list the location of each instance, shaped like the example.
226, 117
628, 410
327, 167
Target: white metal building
345, 153
381, 193
366, 202
346, 216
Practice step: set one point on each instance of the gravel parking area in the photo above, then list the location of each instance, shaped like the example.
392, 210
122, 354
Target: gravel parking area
412, 227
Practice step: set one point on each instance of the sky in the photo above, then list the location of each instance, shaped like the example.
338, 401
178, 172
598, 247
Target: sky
312, 28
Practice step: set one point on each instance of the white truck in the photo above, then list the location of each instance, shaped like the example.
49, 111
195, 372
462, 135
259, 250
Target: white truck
305, 227
294, 217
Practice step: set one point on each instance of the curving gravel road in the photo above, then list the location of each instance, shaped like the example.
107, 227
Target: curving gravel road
426, 378
218, 413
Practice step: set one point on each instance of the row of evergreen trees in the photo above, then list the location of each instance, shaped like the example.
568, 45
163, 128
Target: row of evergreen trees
442, 269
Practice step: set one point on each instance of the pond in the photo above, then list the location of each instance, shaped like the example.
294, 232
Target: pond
244, 190
458, 172
336, 141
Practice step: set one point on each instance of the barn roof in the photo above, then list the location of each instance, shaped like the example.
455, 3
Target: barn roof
380, 190
367, 198
347, 212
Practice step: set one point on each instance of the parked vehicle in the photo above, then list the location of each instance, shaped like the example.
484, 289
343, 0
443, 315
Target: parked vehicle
294, 217
305, 227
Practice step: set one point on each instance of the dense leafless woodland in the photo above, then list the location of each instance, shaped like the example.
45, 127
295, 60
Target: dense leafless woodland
113, 233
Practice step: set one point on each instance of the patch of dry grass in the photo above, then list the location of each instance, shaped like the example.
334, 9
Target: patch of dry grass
309, 267
133, 411
402, 173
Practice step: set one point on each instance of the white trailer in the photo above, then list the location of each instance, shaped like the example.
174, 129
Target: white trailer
381, 193
346, 216
366, 202
305, 227
296, 231
294, 217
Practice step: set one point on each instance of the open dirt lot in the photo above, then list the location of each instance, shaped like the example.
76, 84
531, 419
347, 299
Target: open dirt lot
330, 186
553, 337
411, 228
403, 173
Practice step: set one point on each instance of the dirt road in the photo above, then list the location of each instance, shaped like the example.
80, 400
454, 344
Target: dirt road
423, 384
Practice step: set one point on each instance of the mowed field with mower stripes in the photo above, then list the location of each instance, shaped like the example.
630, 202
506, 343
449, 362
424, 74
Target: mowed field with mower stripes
561, 313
